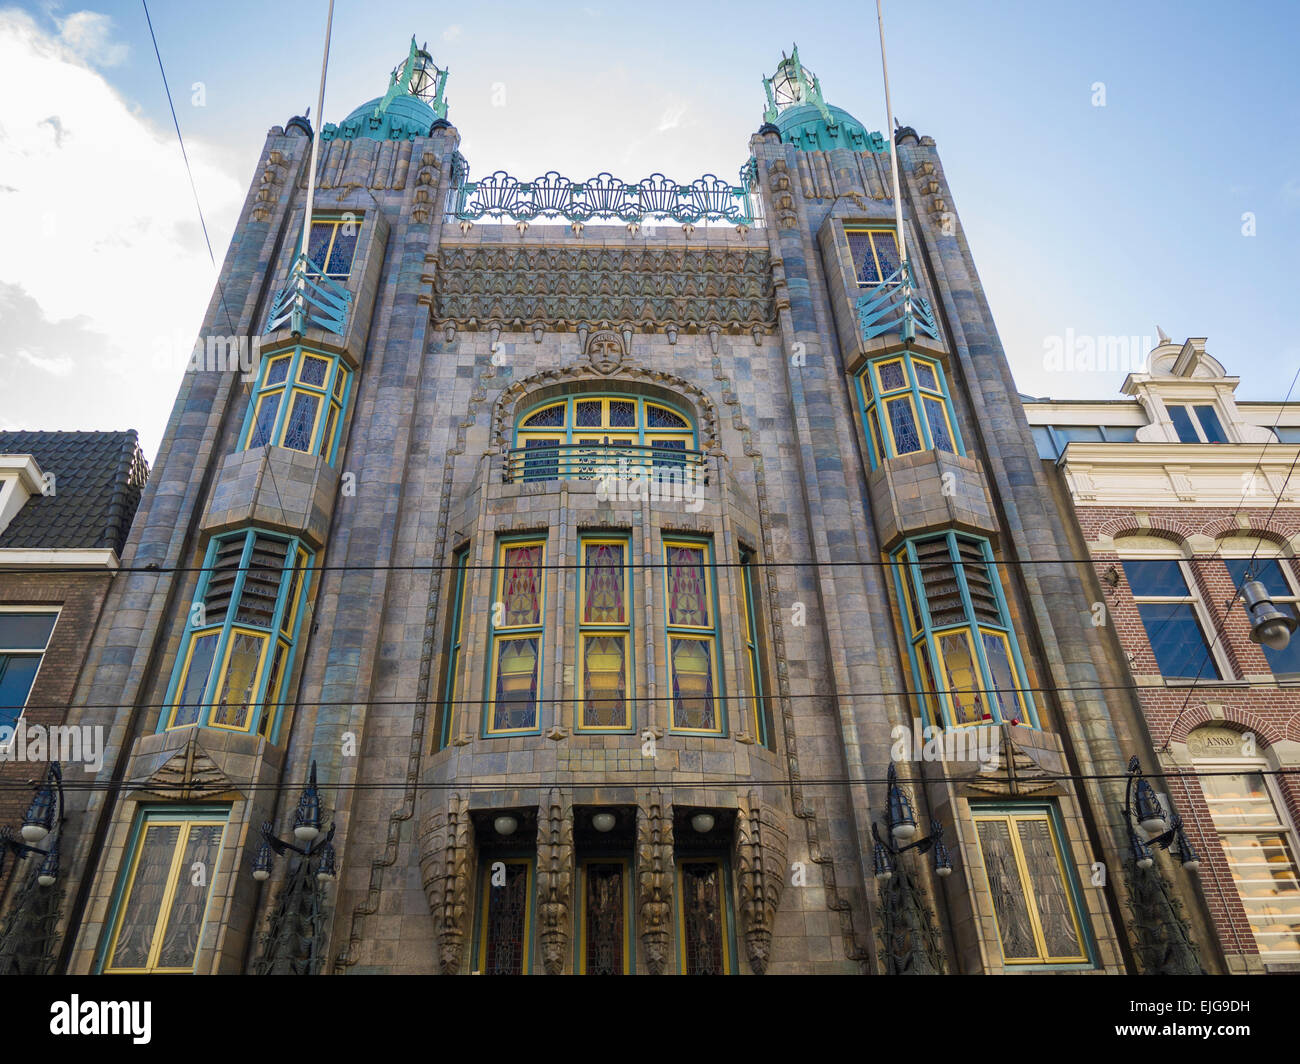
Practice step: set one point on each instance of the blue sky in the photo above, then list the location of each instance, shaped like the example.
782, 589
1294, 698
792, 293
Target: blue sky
1092, 220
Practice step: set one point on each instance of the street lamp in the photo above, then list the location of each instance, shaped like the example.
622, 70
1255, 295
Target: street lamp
1142, 806
900, 827
306, 829
44, 815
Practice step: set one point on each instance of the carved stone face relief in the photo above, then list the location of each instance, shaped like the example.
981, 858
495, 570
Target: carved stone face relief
605, 350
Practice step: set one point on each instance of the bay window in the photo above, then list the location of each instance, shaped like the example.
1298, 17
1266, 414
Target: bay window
298, 403
905, 408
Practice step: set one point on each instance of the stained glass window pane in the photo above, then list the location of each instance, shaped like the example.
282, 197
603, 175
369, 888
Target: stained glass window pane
313, 370
505, 922
516, 684
687, 588
302, 419
541, 460
277, 372
345, 246
1051, 896
239, 685
902, 420
622, 414
180, 943
552, 417
588, 414
962, 678
318, 243
702, 918
604, 585
693, 705
264, 426
927, 682
665, 454
340, 379
605, 918
604, 681
1008, 892
658, 417
273, 702
1004, 676
892, 376
887, 253
523, 586
864, 262
140, 911
327, 438
189, 698
925, 375
934, 416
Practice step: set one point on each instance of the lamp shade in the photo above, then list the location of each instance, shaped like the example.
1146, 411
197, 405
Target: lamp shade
604, 821
703, 822
505, 824
1268, 625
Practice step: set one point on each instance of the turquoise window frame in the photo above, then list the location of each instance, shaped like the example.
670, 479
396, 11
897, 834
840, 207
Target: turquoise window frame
320, 446
762, 714
489, 699
913, 592
212, 813
569, 429
870, 398
455, 639
223, 631
628, 631
669, 631
1053, 813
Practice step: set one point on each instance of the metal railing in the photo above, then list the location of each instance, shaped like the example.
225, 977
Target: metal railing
885, 309
309, 299
610, 462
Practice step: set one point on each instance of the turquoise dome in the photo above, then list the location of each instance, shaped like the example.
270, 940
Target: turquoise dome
405, 118
805, 126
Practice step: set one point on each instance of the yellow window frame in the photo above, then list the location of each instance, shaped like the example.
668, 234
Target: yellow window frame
928, 430
902, 396
724, 899
949, 695
204, 704
503, 632
935, 369
525, 966
707, 566
275, 392
871, 233
297, 580
879, 366
719, 705
163, 919
1026, 886
259, 670
627, 910
322, 400
579, 709
1018, 691
337, 223
604, 630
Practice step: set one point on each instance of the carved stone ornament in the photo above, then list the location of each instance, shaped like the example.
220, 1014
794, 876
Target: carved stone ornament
446, 851
555, 880
606, 352
654, 888
760, 875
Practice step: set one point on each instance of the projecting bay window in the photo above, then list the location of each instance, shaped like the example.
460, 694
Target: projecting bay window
605, 929
451, 662
965, 657
1172, 618
753, 658
237, 650
332, 245
703, 916
906, 408
161, 903
505, 916
604, 636
692, 638
518, 609
1260, 848
1035, 897
875, 255
298, 403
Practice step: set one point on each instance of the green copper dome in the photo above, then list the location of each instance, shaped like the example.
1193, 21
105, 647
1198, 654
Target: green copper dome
413, 103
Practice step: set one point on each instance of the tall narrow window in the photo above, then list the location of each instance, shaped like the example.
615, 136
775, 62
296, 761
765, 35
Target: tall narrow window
24, 635
965, 656
162, 906
505, 911
875, 255
605, 939
1261, 854
693, 672
517, 611
298, 403
451, 665
1272, 573
703, 933
237, 650
754, 659
1034, 896
906, 408
604, 636
1171, 618
332, 245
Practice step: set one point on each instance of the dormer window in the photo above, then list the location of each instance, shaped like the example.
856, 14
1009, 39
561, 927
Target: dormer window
1197, 423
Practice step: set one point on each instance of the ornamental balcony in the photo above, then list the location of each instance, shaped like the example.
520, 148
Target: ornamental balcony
604, 463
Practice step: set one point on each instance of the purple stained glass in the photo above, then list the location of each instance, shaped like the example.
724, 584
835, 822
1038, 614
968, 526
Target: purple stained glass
604, 598
523, 586
687, 589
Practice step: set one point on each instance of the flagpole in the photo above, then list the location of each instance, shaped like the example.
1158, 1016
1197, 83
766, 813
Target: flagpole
315, 140
893, 165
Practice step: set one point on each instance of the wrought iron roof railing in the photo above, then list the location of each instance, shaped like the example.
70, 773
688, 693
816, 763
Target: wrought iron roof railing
895, 305
607, 462
309, 299
707, 199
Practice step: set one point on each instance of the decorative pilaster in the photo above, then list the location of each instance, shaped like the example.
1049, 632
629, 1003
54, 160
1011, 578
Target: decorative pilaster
654, 845
760, 875
555, 880
446, 852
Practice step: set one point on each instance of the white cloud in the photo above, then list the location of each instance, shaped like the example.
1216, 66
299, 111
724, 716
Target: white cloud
88, 34
452, 33
101, 229
671, 118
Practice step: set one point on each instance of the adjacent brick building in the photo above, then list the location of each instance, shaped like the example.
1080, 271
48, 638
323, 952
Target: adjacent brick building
605, 547
1181, 493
